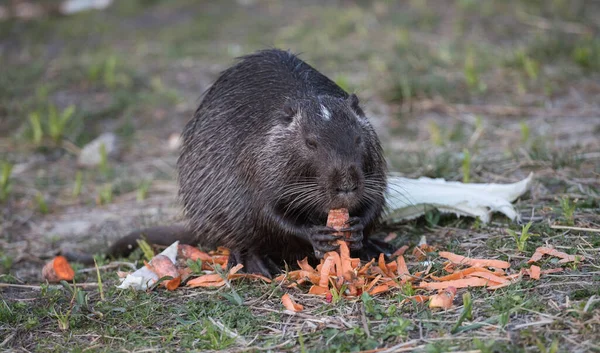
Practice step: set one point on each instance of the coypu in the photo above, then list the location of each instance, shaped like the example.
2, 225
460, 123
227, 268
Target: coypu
273, 146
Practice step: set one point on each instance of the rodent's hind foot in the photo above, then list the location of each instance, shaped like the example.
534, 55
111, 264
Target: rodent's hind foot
254, 263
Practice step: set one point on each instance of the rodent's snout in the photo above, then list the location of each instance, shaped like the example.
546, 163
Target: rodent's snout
345, 187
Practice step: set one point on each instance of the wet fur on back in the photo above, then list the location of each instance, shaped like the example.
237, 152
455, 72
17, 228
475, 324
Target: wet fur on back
272, 147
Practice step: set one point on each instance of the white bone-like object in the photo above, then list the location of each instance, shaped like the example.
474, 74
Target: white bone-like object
410, 198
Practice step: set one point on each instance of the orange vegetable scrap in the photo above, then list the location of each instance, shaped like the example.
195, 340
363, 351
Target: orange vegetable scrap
400, 251
216, 280
460, 274
565, 258
391, 236
417, 298
403, 272
462, 260
420, 252
459, 283
57, 270
338, 269
443, 299
163, 266
192, 253
535, 272
290, 304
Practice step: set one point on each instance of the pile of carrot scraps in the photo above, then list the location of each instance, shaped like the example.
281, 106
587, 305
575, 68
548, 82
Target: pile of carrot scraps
342, 275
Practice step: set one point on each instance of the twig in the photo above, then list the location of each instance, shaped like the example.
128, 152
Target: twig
109, 266
589, 303
537, 323
363, 318
575, 228
264, 348
7, 339
240, 340
402, 347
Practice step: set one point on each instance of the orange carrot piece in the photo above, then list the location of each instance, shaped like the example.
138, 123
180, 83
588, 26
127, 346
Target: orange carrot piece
392, 267
552, 270
363, 270
235, 269
209, 280
303, 264
318, 290
345, 263
325, 272
420, 252
163, 266
534, 272
537, 256
190, 252
489, 276
303, 275
290, 304
443, 299
449, 267
402, 268
459, 283
391, 236
249, 275
400, 251
372, 284
459, 274
459, 259
419, 298
500, 285
57, 270
379, 289
337, 218
382, 266
565, 258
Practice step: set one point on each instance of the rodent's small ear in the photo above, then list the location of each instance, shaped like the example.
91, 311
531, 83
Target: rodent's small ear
354, 104
289, 111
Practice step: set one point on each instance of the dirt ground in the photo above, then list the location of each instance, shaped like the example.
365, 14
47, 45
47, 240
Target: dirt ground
516, 84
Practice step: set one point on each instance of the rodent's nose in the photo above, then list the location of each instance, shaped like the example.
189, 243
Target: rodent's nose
346, 189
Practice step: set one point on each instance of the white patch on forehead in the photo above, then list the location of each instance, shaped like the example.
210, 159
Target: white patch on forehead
325, 113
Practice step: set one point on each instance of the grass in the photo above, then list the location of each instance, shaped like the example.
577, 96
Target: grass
487, 92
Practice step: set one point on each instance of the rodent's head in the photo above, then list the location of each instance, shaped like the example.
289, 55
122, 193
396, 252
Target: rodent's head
332, 155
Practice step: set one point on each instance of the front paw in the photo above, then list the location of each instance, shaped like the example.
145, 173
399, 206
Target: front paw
354, 233
323, 239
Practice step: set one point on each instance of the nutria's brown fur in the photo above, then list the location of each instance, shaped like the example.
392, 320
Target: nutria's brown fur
272, 147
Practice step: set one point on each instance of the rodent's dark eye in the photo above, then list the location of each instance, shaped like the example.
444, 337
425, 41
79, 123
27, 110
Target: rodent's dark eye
311, 143
357, 140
